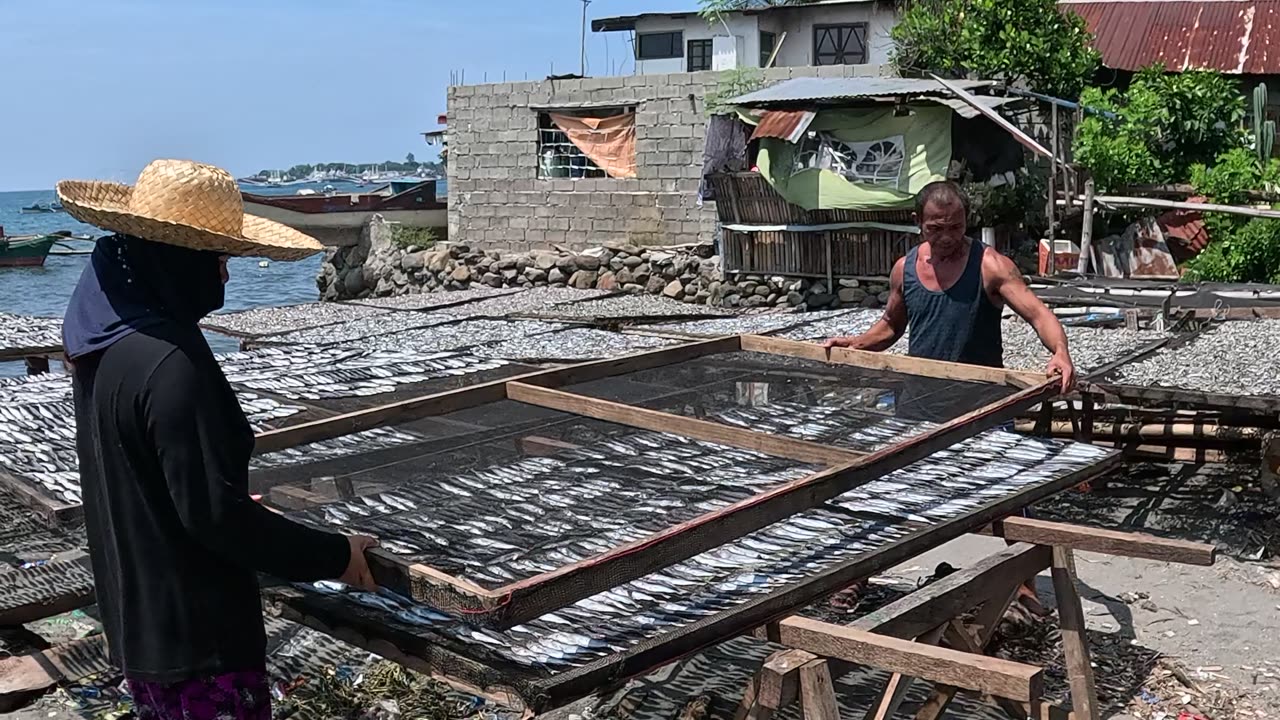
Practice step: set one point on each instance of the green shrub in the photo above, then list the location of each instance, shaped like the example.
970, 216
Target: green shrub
404, 236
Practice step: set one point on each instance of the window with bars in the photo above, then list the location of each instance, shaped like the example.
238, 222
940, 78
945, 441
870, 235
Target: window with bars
699, 55
840, 44
558, 157
659, 46
768, 41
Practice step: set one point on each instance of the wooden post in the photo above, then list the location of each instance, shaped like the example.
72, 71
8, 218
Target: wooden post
1075, 643
817, 695
899, 685
1086, 229
1052, 206
775, 686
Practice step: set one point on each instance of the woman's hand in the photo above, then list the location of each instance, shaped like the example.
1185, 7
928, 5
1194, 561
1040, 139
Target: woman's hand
358, 574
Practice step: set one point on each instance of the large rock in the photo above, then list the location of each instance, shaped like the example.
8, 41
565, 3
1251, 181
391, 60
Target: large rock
851, 295
587, 262
673, 289
632, 261
544, 261
567, 265
438, 261
414, 261
817, 300
655, 285
461, 274
352, 282
584, 279
506, 264
556, 276
607, 281
492, 280
633, 288
762, 291
849, 283
625, 277
657, 257
510, 274
794, 298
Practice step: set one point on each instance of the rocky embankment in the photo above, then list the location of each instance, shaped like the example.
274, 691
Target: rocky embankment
379, 267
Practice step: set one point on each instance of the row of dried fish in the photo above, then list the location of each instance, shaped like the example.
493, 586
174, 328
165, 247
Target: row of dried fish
38, 443
276, 320
1233, 358
627, 307
425, 301
515, 520
982, 470
19, 332
359, 329
523, 303
343, 446
468, 334
755, 324
840, 425
320, 373
572, 344
35, 389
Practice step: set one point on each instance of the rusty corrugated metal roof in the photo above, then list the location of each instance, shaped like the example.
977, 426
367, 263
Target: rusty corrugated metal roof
789, 125
1238, 37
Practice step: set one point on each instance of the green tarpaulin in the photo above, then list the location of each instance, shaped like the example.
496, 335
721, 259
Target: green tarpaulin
883, 160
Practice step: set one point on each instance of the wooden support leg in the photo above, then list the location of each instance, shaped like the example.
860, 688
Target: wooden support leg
37, 365
899, 685
983, 628
1075, 644
817, 695
775, 686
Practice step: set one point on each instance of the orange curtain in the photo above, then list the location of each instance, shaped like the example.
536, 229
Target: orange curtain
610, 142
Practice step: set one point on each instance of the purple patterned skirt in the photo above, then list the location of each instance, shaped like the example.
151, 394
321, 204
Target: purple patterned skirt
233, 696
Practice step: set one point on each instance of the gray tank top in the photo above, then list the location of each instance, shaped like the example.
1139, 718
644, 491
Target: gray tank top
959, 324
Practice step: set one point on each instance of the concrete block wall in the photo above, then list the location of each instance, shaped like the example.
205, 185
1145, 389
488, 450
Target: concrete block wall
497, 201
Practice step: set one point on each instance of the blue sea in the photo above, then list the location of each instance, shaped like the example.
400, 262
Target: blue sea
44, 291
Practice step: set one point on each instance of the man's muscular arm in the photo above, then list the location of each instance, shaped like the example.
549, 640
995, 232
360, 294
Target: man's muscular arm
1004, 280
890, 327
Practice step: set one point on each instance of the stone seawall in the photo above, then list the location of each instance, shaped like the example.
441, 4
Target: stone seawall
377, 266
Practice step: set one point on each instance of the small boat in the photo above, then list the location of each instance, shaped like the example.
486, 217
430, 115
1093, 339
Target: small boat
40, 208
334, 214
25, 250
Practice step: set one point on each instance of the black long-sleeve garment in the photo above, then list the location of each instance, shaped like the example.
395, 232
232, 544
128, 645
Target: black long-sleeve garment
174, 537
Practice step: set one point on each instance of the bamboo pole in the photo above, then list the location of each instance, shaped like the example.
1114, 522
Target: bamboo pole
1122, 201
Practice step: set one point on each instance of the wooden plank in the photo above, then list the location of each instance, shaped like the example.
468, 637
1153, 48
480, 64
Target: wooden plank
1075, 642
52, 512
573, 684
894, 363
40, 591
481, 394
817, 694
535, 596
1002, 678
1176, 397
24, 675
985, 624
538, 445
1107, 542
912, 615
776, 445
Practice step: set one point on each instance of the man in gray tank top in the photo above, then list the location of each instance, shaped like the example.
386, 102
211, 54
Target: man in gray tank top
950, 290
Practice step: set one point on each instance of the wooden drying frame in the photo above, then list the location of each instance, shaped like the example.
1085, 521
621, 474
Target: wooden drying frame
844, 470
539, 693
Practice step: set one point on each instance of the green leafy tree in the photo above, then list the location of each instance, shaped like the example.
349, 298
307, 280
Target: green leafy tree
1242, 249
1162, 125
409, 159
1011, 40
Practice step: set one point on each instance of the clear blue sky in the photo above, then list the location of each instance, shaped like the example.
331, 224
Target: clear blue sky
96, 88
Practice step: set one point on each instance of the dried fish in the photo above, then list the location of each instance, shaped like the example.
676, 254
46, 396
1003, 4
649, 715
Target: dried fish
276, 320
23, 332
574, 344
358, 328
626, 307
522, 303
746, 324
441, 298
1234, 358
466, 334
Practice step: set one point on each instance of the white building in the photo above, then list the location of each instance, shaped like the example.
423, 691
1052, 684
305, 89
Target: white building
828, 32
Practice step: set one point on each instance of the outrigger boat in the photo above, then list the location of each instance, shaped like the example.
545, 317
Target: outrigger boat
25, 250
41, 208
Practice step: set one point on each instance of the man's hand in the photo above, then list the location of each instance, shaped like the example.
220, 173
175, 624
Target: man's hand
358, 574
836, 342
1060, 364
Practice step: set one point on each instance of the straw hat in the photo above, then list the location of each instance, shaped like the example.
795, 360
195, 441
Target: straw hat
184, 203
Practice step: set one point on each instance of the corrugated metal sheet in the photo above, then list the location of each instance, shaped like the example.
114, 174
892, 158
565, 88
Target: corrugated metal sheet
835, 89
1240, 38
789, 125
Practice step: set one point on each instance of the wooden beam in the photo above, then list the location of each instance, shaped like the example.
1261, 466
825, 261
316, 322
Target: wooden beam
1176, 397
899, 685
776, 686
1002, 678
1075, 643
41, 591
481, 394
720, 433
25, 675
532, 597
960, 638
541, 446
1026, 140
915, 614
892, 363
1107, 542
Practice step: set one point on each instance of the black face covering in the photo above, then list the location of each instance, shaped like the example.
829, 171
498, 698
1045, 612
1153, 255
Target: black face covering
132, 285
